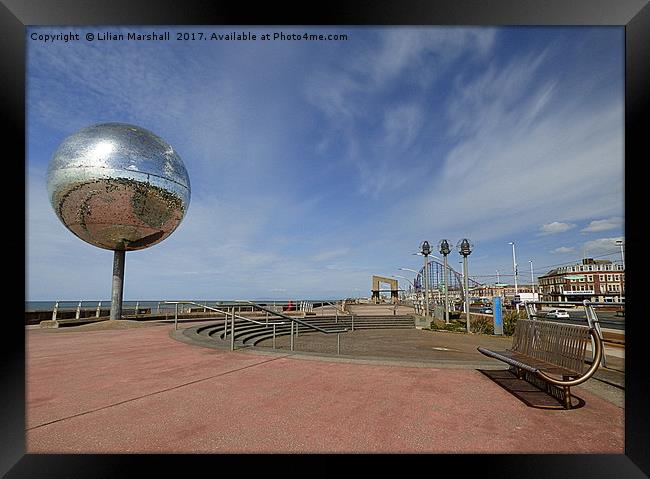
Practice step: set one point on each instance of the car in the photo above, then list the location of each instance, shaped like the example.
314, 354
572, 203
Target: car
485, 310
557, 314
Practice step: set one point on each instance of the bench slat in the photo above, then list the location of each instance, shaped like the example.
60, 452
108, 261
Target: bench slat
529, 364
563, 345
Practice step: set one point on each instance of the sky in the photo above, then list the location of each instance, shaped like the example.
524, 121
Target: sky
316, 164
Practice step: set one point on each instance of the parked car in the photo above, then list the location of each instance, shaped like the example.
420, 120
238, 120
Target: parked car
558, 314
485, 310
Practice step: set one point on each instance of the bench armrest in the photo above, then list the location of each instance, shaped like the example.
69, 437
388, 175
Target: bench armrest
596, 362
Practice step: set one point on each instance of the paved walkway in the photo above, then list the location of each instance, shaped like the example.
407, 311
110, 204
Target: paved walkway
142, 391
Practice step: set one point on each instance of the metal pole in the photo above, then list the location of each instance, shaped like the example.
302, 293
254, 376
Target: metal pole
426, 286
446, 292
622, 255
592, 320
352, 318
338, 343
118, 284
466, 291
514, 270
55, 310
291, 335
532, 278
274, 336
225, 325
232, 331
176, 317
99, 308
77, 314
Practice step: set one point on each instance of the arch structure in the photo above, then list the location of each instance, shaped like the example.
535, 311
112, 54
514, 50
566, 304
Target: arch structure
377, 281
436, 281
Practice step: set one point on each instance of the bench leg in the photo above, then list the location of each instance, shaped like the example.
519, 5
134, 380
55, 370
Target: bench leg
567, 394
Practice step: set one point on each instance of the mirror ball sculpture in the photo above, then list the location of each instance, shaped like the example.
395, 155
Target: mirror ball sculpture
119, 187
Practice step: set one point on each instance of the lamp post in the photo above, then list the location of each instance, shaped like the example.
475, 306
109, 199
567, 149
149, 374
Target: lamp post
532, 278
425, 250
462, 285
620, 243
444, 249
514, 269
465, 249
417, 273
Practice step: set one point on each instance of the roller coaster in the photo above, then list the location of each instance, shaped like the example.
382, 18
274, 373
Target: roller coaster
437, 283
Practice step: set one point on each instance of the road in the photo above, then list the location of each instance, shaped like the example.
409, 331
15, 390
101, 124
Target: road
607, 319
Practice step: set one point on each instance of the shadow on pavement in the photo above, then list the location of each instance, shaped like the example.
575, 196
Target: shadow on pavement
528, 393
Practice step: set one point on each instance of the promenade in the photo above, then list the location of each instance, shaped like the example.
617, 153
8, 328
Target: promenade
141, 390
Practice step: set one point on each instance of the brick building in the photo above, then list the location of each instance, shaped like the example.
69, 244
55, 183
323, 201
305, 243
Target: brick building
593, 280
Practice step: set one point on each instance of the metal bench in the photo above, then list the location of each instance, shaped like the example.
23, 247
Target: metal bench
551, 355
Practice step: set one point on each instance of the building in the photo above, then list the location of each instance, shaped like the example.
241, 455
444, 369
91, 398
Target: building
593, 280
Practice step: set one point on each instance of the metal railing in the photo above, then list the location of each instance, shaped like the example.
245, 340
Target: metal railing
96, 308
297, 322
227, 314
590, 315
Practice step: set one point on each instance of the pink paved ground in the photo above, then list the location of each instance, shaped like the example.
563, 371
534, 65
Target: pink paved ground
140, 391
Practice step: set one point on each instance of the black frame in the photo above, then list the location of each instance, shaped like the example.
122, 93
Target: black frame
634, 15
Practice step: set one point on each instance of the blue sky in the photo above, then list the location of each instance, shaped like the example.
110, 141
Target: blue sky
317, 164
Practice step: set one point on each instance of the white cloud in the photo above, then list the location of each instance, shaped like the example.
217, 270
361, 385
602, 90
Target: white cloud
402, 124
353, 95
423, 50
513, 167
602, 246
555, 227
563, 250
603, 225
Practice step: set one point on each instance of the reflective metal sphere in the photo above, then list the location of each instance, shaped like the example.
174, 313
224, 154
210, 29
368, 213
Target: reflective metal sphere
118, 186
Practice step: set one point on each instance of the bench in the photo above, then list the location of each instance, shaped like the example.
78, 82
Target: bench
551, 355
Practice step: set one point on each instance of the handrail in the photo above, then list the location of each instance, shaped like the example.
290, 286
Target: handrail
296, 320
219, 311
336, 307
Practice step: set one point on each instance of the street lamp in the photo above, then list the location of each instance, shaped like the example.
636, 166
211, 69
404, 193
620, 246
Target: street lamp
532, 278
443, 247
425, 250
620, 243
514, 269
465, 249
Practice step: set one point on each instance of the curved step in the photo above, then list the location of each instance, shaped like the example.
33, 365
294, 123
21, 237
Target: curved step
251, 334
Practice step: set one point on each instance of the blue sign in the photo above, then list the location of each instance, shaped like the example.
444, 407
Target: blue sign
496, 311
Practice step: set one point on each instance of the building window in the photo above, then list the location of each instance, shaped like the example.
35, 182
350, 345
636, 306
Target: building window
609, 277
601, 277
